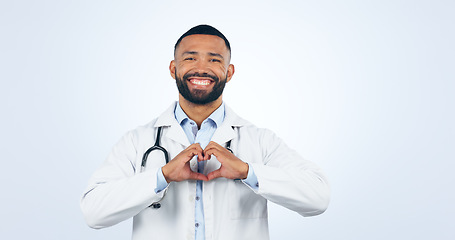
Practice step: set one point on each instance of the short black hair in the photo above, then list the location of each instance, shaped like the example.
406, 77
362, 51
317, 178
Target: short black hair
205, 30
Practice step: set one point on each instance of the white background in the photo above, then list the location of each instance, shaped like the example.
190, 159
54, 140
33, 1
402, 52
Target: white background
363, 88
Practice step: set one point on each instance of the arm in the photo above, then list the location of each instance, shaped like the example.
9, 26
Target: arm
283, 176
116, 192
289, 180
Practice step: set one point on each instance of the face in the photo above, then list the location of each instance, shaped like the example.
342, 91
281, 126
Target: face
201, 68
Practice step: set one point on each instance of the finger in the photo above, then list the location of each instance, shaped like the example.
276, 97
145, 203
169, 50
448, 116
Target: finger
214, 174
214, 144
200, 155
200, 151
203, 157
195, 146
195, 149
206, 156
190, 153
212, 151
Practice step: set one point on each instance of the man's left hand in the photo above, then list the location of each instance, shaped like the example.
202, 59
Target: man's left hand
231, 166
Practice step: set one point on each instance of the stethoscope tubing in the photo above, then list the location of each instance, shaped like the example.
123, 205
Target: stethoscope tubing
155, 147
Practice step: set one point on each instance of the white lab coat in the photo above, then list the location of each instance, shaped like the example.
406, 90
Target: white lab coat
119, 190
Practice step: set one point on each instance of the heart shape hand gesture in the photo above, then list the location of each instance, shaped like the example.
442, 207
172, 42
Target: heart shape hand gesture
178, 169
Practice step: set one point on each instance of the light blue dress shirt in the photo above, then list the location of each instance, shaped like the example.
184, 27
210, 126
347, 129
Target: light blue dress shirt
203, 137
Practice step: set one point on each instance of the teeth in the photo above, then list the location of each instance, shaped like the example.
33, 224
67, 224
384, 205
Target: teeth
200, 82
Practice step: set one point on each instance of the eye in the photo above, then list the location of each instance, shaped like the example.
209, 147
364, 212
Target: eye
189, 59
215, 60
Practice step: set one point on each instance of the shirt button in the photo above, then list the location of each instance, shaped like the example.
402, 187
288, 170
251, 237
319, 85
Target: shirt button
197, 198
196, 224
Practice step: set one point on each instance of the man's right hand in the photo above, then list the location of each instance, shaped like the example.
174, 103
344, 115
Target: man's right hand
178, 169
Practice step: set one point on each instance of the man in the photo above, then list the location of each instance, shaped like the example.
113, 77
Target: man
205, 191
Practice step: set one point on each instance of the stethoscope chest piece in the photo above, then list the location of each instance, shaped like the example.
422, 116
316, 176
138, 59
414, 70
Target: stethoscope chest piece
155, 205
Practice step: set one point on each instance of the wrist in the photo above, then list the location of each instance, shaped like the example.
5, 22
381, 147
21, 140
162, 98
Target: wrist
246, 168
165, 173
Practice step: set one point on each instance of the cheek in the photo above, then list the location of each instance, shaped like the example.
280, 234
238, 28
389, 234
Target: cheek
182, 69
179, 71
222, 71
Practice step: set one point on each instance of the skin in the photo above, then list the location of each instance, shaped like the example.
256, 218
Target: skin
202, 54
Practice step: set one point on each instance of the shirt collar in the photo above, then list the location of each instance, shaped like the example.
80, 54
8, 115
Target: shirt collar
217, 116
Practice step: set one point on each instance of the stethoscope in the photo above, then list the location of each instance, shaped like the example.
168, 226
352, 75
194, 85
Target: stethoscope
157, 146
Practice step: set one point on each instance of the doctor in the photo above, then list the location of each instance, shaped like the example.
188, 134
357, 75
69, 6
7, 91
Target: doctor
205, 191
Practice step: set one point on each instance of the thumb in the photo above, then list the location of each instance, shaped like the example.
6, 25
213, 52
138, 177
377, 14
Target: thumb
214, 174
197, 176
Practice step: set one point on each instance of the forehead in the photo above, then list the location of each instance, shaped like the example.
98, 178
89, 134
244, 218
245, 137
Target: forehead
202, 44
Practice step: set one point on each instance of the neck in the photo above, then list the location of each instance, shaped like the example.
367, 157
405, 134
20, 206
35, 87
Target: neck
198, 112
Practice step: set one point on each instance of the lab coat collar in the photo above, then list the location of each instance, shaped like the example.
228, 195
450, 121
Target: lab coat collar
227, 131
223, 133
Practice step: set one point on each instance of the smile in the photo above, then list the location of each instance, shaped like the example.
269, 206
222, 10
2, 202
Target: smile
200, 82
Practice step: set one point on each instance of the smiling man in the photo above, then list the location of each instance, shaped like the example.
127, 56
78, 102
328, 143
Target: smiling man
194, 52
222, 171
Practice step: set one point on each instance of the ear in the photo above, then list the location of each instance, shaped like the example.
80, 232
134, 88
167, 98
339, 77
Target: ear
230, 72
172, 69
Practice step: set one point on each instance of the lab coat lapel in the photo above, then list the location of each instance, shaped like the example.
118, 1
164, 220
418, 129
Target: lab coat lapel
177, 134
226, 131
223, 134
174, 131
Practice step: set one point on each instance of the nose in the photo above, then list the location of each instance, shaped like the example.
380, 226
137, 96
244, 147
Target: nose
202, 67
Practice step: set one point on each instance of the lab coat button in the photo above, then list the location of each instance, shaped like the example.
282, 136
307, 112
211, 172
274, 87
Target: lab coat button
197, 198
196, 224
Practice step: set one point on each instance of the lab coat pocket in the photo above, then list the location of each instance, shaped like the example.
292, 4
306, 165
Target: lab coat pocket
244, 203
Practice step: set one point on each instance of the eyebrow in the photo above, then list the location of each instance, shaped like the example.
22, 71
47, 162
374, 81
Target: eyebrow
210, 53
216, 55
189, 53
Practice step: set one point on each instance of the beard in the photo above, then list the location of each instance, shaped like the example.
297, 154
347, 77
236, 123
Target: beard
197, 96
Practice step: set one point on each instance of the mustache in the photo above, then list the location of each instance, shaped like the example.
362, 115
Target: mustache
204, 75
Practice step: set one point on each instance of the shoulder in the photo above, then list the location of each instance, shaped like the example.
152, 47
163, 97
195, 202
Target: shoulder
246, 128
261, 135
165, 119
139, 135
